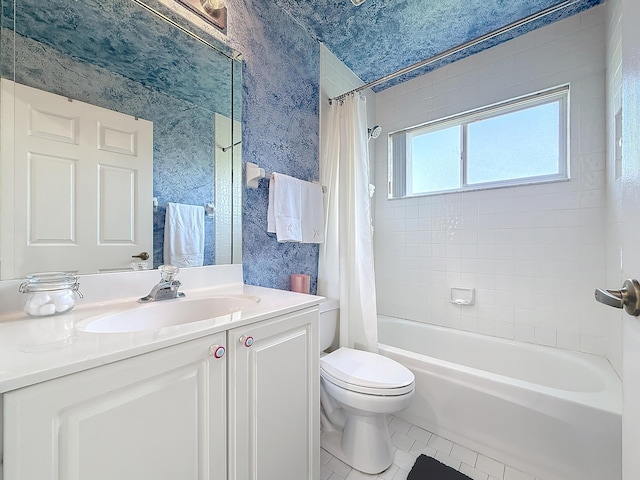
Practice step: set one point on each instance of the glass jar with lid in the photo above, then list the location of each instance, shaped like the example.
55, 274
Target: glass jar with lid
50, 293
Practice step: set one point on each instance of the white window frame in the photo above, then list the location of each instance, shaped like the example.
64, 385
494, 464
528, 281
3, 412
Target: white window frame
558, 94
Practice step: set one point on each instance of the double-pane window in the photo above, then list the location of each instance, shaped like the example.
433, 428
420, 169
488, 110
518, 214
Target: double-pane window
520, 141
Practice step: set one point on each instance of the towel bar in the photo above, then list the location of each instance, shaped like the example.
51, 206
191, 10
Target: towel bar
209, 208
254, 173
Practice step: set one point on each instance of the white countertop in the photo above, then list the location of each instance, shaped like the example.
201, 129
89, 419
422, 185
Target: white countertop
33, 350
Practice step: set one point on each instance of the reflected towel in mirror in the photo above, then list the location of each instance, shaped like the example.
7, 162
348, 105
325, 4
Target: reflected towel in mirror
184, 235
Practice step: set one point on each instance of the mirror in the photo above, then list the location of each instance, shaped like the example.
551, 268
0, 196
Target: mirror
165, 94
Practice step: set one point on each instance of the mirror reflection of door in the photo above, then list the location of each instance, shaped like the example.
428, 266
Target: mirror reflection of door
81, 179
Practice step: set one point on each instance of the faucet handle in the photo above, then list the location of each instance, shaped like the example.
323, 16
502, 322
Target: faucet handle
167, 272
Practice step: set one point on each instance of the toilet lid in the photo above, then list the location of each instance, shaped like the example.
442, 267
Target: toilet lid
365, 369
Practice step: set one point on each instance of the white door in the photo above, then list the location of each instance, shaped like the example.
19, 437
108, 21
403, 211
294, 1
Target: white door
77, 184
631, 234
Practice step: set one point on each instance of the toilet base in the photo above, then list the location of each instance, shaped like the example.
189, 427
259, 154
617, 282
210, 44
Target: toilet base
363, 444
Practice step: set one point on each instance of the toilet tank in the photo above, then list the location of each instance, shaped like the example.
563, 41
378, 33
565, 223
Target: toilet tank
329, 315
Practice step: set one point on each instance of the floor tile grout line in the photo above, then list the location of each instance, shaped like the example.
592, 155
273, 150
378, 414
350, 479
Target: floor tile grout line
401, 471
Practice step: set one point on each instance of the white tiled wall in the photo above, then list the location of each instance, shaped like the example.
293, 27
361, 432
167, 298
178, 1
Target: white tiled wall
335, 79
533, 253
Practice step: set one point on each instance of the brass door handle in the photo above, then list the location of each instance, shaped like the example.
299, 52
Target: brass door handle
141, 256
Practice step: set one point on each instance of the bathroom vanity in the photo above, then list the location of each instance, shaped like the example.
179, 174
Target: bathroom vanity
232, 397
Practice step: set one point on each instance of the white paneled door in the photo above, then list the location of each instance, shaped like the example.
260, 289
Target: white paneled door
76, 186
631, 234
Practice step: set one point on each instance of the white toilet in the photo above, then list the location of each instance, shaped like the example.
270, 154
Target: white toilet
358, 390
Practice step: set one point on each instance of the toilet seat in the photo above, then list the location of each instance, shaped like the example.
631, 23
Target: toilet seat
366, 372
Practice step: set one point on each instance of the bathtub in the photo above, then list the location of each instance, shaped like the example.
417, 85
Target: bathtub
551, 413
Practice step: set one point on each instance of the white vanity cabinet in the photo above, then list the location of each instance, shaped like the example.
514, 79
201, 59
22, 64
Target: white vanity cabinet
274, 403
179, 413
157, 416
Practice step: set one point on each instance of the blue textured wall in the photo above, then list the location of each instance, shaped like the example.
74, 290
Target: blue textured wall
382, 36
280, 120
280, 111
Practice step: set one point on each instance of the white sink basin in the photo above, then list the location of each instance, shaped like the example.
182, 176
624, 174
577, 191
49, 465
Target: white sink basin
167, 313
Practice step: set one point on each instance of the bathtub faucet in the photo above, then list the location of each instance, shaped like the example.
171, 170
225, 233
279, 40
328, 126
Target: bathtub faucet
167, 288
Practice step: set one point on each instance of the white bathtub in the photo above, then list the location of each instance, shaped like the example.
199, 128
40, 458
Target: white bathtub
548, 412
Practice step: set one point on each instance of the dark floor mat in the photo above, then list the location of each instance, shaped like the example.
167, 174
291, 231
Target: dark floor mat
428, 468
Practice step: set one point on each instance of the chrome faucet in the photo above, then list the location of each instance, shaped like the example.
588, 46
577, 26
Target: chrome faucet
167, 288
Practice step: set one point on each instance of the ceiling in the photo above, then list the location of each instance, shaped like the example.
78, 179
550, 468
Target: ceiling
382, 36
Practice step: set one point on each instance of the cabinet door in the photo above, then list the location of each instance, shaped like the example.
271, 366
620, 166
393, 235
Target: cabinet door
274, 399
160, 416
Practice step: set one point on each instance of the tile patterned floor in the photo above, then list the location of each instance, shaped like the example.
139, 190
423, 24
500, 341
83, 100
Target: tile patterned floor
410, 441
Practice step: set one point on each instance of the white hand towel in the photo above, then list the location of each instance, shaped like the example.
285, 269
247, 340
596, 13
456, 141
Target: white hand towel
284, 210
271, 216
184, 235
312, 213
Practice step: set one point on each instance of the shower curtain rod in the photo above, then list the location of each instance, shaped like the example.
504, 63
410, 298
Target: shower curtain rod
459, 48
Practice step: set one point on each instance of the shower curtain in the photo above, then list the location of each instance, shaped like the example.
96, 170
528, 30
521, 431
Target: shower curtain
345, 269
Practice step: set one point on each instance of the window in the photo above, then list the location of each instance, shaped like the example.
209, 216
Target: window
517, 142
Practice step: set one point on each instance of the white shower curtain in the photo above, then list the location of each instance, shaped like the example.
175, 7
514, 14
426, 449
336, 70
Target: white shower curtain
345, 269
